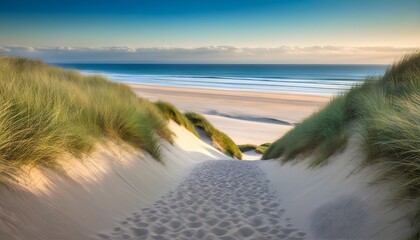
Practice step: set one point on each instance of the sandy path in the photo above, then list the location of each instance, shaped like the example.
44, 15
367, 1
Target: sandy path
218, 200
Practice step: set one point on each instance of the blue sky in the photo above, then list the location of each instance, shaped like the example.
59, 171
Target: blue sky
178, 31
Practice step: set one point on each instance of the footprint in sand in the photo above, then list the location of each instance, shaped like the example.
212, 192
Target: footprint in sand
218, 200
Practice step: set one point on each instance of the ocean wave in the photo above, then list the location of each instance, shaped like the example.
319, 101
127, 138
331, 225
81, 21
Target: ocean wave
316, 85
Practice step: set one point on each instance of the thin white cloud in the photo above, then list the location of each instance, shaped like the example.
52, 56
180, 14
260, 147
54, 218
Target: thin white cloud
213, 54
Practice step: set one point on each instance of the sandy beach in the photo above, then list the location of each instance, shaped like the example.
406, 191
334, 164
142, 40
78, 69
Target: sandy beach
197, 192
269, 115
210, 120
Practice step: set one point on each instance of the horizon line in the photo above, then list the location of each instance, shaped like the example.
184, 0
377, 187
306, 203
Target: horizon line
215, 54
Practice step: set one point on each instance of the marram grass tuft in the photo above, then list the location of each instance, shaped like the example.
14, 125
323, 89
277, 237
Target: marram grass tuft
47, 111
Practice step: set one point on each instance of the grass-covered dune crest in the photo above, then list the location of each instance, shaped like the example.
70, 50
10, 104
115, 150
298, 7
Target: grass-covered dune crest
219, 139
47, 111
91, 194
170, 112
193, 121
114, 152
253, 147
385, 112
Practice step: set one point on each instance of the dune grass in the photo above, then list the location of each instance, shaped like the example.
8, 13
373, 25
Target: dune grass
323, 132
219, 138
386, 112
265, 145
47, 111
253, 147
170, 112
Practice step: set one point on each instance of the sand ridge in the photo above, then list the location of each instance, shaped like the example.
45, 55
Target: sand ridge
92, 193
219, 200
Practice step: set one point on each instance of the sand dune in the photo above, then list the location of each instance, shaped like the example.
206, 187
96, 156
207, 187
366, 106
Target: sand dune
90, 195
338, 201
121, 192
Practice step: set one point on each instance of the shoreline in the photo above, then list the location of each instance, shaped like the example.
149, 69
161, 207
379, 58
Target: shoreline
269, 115
233, 93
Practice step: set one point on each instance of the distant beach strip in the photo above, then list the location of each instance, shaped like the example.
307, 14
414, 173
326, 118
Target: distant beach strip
325, 80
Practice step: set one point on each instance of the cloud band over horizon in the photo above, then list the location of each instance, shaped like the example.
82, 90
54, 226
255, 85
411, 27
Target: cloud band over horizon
214, 54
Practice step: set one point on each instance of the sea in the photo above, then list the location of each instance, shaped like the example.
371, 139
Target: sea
326, 80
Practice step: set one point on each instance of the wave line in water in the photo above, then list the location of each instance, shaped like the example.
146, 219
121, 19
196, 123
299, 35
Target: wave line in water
304, 79
303, 86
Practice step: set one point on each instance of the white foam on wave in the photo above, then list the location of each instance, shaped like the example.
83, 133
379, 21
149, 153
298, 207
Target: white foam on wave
326, 87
